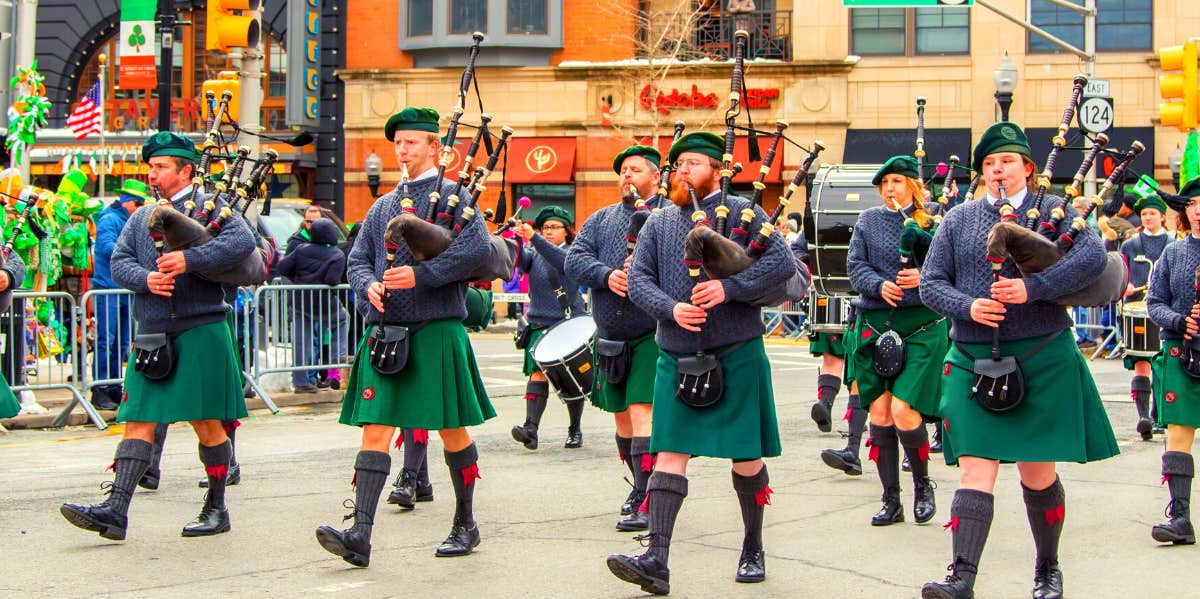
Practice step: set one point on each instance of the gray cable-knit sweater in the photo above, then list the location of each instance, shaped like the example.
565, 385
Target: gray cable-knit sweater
957, 272
599, 250
14, 270
1172, 286
874, 257
658, 280
1147, 246
537, 259
195, 301
440, 291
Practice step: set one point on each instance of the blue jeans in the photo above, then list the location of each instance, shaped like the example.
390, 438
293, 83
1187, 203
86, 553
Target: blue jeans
113, 321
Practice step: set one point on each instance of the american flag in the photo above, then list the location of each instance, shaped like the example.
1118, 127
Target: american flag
85, 118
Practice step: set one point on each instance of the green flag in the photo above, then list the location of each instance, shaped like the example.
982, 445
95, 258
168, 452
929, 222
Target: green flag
1191, 159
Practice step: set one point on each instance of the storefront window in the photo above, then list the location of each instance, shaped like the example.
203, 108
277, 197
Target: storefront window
420, 18
877, 30
910, 31
1120, 25
542, 195
527, 17
468, 16
942, 30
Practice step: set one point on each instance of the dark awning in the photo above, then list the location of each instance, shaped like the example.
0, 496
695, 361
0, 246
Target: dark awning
1119, 139
875, 146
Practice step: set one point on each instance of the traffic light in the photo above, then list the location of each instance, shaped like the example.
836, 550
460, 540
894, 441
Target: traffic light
232, 24
1182, 114
228, 80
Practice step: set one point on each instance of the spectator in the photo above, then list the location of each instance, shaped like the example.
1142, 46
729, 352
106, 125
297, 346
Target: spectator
112, 311
303, 235
318, 262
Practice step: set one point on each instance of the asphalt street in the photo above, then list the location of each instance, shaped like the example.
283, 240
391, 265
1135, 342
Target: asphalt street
547, 516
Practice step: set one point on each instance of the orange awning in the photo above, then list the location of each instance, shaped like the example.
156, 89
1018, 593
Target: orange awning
541, 160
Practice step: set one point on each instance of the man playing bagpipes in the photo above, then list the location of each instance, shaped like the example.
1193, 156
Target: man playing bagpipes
414, 367
712, 389
184, 366
626, 353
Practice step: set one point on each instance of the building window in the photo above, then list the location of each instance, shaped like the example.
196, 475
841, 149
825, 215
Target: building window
910, 31
527, 17
468, 16
420, 18
1120, 25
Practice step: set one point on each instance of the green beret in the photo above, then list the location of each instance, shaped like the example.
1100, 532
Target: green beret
1150, 201
134, 189
701, 142
898, 165
165, 143
413, 118
553, 212
1191, 189
651, 154
1004, 136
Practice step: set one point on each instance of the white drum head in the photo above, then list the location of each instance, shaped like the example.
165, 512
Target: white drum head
564, 338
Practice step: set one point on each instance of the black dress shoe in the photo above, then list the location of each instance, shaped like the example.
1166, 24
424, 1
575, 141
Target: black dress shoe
953, 588
424, 493
405, 493
1178, 529
752, 567
631, 503
98, 518
905, 466
526, 435
935, 443
462, 540
574, 439
352, 544
924, 504
234, 477
101, 400
212, 520
842, 459
820, 415
643, 570
892, 511
1047, 582
634, 522
1145, 428
150, 479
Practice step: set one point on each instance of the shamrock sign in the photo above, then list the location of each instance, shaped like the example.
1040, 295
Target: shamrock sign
137, 38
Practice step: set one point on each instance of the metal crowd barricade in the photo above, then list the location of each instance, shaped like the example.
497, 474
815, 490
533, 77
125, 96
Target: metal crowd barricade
1101, 325
785, 320
42, 346
291, 323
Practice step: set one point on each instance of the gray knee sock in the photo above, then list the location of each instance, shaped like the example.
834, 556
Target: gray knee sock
858, 424
827, 388
1046, 510
970, 520
216, 468
885, 452
1140, 388
535, 404
666, 493
1179, 469
464, 470
753, 495
160, 439
643, 463
371, 469
130, 461
916, 447
416, 450
624, 445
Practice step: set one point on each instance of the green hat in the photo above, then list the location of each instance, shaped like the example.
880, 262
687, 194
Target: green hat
651, 154
165, 143
413, 118
1004, 136
134, 188
553, 212
1150, 201
1191, 189
701, 142
72, 182
898, 165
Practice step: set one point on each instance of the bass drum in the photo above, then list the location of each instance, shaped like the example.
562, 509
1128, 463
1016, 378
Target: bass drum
839, 193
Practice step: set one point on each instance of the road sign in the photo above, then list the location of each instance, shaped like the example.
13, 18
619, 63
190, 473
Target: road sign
1097, 88
904, 3
1096, 115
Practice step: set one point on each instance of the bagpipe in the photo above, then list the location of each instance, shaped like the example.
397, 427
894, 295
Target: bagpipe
720, 253
229, 197
1040, 243
428, 235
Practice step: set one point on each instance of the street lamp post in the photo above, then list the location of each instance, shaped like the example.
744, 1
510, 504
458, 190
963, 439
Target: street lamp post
374, 167
1175, 163
1005, 77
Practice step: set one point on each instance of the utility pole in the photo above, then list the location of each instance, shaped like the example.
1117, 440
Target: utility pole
166, 60
25, 52
250, 77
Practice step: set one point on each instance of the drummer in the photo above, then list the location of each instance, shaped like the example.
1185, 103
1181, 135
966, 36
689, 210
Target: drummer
889, 300
551, 296
1141, 252
1172, 304
597, 259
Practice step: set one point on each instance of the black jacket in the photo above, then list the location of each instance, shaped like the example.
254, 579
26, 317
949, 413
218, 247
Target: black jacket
319, 262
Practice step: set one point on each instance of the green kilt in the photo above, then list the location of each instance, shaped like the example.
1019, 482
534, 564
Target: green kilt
438, 389
643, 362
827, 343
9, 406
919, 384
1176, 393
530, 366
742, 426
205, 385
1129, 360
1060, 420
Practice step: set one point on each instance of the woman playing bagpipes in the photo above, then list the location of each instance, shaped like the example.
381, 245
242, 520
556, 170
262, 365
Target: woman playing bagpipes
1007, 332
899, 344
1174, 304
542, 256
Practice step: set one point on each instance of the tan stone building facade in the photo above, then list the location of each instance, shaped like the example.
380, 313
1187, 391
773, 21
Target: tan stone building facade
582, 96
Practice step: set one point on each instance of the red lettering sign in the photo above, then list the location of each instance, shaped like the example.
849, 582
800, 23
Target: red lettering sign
652, 98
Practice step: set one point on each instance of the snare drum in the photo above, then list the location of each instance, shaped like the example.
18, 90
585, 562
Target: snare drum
1139, 334
840, 192
828, 314
564, 355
